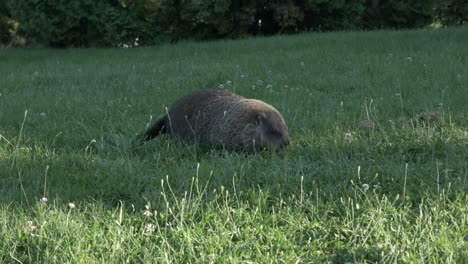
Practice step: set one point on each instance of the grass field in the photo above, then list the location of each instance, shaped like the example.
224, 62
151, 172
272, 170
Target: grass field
377, 170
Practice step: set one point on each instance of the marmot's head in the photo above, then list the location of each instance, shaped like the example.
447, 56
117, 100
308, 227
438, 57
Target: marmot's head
266, 128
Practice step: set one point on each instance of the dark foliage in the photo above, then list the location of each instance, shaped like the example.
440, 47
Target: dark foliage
397, 13
84, 23
5, 25
334, 15
452, 12
207, 19
61, 23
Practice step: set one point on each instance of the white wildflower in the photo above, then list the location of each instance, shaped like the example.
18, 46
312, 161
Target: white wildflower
71, 205
348, 137
270, 88
43, 200
30, 227
149, 228
365, 186
147, 211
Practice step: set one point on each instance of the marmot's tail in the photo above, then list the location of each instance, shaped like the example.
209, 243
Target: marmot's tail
157, 128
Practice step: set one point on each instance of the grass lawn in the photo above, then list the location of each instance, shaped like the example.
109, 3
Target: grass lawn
377, 170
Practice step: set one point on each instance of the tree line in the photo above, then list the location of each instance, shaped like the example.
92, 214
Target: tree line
103, 23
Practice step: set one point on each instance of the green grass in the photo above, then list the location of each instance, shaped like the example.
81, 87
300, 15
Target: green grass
340, 193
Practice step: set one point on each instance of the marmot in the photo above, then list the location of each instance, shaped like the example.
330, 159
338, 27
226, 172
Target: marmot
221, 118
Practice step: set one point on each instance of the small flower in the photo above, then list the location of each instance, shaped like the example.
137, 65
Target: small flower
43, 201
30, 227
221, 86
149, 228
270, 88
348, 137
228, 82
147, 212
71, 205
43, 115
259, 82
242, 76
365, 186
357, 206
397, 94
302, 64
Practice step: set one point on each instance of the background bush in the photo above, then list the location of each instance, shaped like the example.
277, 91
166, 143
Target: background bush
61, 23
5, 26
397, 13
334, 15
205, 19
452, 12
84, 23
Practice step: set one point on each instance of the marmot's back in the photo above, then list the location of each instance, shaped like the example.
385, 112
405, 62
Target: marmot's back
219, 117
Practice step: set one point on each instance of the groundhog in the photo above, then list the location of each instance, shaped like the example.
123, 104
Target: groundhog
222, 118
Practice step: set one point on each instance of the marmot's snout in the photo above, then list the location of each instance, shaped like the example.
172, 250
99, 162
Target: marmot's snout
285, 141
273, 130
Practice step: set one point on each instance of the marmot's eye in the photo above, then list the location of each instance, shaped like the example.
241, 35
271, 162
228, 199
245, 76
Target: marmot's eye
274, 133
258, 119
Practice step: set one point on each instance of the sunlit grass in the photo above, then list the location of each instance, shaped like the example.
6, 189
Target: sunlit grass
377, 170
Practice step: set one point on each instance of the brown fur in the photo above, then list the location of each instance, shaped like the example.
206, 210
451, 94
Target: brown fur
221, 118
